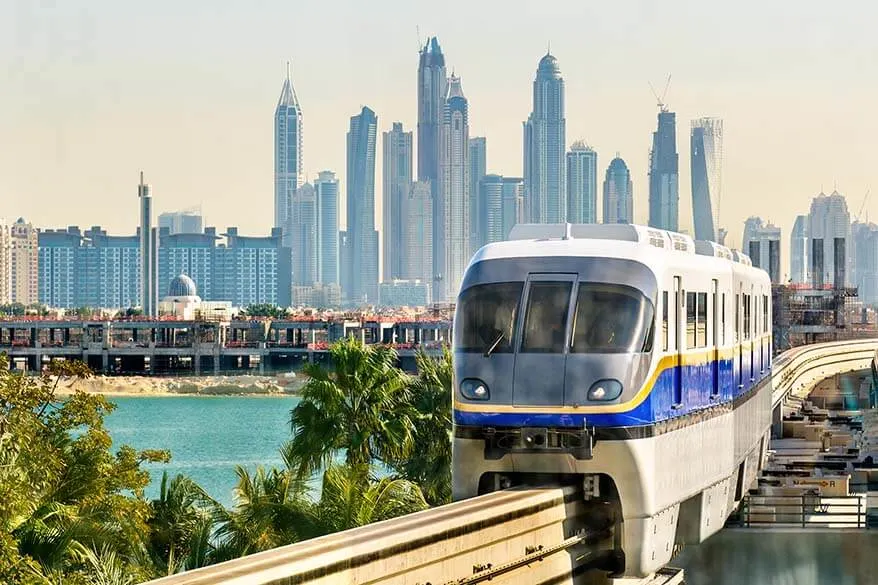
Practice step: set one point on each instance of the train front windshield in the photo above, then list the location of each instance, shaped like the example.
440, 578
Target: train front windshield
607, 318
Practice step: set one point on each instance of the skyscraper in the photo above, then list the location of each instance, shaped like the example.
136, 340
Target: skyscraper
501, 206
301, 233
23, 263
451, 250
327, 227
287, 150
545, 177
582, 184
149, 265
397, 181
478, 163
618, 193
706, 152
664, 174
188, 221
431, 104
761, 242
865, 236
799, 251
361, 239
418, 233
830, 247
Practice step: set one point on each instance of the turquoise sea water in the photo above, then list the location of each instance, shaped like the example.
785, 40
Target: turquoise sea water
207, 436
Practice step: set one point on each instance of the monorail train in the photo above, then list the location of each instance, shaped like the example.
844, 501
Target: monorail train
633, 359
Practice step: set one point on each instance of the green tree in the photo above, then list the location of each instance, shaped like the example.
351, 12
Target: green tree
12, 309
360, 405
429, 465
271, 509
61, 489
351, 497
264, 310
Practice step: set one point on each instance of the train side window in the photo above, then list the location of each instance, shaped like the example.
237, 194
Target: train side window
664, 320
722, 340
765, 323
747, 323
545, 325
737, 317
690, 319
701, 320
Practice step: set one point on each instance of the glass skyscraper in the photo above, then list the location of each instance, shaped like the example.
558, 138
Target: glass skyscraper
302, 222
478, 163
327, 228
451, 249
361, 239
545, 146
288, 172
397, 180
618, 193
664, 196
582, 184
501, 206
799, 251
706, 151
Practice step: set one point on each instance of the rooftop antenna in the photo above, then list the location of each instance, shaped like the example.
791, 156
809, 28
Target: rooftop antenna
549, 48
288, 71
663, 107
418, 34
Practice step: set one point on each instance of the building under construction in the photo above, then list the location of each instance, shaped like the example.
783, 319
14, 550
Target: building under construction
812, 314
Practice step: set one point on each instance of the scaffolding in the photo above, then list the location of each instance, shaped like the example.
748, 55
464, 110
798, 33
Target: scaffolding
806, 314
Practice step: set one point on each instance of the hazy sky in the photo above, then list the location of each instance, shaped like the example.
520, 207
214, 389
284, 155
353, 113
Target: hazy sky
93, 92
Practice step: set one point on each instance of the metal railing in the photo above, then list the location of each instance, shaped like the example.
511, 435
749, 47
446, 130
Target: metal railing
808, 510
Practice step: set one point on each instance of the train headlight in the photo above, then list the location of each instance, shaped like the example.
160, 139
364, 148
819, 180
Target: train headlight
474, 389
605, 390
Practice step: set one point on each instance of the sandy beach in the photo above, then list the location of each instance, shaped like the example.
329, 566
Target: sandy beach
194, 385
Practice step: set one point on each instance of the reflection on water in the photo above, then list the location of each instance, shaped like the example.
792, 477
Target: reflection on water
736, 557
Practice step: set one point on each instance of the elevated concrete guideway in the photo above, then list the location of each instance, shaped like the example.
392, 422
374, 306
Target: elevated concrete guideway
513, 536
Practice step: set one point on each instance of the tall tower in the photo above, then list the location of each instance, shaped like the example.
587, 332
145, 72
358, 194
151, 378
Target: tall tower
327, 227
149, 253
302, 235
582, 184
706, 151
478, 168
287, 152
545, 177
618, 193
664, 193
451, 236
431, 102
397, 182
799, 251
361, 239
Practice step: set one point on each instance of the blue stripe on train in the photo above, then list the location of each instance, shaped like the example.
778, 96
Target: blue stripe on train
697, 385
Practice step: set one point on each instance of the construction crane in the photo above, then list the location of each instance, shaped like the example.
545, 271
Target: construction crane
863, 206
663, 107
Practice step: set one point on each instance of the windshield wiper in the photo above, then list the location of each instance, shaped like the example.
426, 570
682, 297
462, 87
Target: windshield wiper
494, 344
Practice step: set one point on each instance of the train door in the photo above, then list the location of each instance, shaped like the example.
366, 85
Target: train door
679, 328
739, 337
715, 337
540, 362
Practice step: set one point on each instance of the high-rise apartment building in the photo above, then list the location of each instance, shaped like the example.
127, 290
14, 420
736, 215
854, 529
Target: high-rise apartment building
182, 222
761, 242
865, 244
799, 273
57, 264
361, 239
302, 235
431, 108
190, 254
327, 228
664, 196
618, 193
451, 248
478, 168
501, 206
545, 144
582, 184
706, 152
397, 180
418, 234
149, 291
288, 174
830, 247
250, 270
19, 263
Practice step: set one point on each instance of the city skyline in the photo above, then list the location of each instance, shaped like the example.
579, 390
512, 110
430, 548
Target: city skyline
616, 114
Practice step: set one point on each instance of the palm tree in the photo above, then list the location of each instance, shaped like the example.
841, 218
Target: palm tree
362, 406
180, 516
271, 509
430, 464
351, 497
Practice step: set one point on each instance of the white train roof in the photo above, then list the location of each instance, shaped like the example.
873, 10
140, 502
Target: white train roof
603, 238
